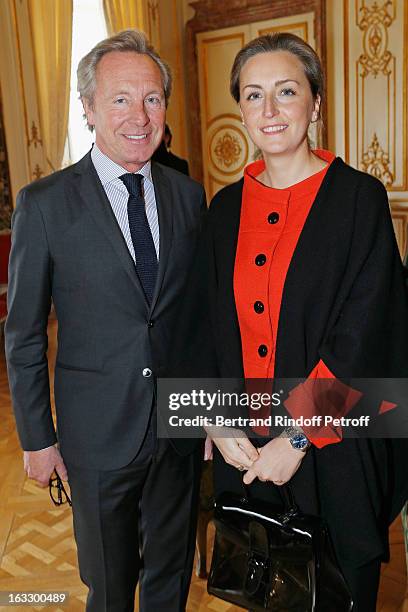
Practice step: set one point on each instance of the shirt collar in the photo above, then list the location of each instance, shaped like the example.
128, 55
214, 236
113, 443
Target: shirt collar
109, 171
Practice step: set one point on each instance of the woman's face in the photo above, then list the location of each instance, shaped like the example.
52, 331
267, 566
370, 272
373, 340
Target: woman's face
276, 102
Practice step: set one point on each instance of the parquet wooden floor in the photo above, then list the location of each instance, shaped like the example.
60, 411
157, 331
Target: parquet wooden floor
37, 549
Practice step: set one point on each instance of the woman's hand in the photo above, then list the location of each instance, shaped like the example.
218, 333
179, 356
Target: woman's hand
234, 446
277, 462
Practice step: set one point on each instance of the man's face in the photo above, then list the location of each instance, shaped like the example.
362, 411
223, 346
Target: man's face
128, 109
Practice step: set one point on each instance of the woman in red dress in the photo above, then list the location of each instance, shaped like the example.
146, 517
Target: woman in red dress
304, 279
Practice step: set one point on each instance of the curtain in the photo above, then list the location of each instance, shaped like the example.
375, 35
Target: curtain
123, 14
51, 28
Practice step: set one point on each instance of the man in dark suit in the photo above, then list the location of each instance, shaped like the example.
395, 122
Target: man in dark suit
164, 156
109, 240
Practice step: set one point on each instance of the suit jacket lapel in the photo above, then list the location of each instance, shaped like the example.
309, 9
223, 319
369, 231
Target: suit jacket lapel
94, 197
164, 203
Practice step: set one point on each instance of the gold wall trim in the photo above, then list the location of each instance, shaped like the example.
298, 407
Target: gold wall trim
376, 161
346, 82
203, 53
179, 69
405, 99
400, 213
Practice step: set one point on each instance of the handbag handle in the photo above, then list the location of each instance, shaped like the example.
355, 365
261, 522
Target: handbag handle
286, 493
290, 506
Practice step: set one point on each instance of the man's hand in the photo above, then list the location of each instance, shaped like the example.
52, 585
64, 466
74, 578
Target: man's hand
277, 462
39, 465
234, 446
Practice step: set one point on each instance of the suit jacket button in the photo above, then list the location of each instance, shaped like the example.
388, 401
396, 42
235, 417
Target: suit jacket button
147, 372
150, 324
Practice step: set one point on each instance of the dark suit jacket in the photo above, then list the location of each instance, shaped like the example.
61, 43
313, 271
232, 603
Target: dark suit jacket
67, 247
167, 158
344, 302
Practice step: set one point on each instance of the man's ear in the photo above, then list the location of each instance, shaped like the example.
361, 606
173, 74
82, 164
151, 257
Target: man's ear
89, 111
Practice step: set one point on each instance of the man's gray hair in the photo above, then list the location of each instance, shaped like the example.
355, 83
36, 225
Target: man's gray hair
127, 40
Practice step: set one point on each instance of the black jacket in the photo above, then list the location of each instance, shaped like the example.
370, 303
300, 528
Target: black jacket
344, 301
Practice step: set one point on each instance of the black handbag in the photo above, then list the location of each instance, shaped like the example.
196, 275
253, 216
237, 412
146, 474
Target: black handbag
268, 559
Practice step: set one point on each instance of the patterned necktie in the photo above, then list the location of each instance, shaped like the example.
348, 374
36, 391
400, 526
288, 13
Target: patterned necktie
145, 253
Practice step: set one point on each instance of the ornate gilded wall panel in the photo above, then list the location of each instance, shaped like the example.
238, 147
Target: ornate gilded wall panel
368, 96
375, 48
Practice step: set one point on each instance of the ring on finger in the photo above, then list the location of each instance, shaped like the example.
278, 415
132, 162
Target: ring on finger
241, 468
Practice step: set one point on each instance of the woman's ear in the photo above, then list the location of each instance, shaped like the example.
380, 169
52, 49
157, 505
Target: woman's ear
316, 109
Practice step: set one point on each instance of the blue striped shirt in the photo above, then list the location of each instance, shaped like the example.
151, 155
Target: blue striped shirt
109, 173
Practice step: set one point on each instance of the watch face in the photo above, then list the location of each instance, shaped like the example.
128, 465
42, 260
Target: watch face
299, 441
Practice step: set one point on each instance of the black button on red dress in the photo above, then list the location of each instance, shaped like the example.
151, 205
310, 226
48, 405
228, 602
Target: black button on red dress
273, 218
262, 350
259, 307
260, 259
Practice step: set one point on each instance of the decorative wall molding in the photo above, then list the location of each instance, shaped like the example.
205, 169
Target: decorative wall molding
376, 162
375, 68
374, 22
228, 151
399, 213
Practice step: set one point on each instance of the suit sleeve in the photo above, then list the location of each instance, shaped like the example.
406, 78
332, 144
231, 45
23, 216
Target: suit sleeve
29, 301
